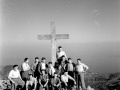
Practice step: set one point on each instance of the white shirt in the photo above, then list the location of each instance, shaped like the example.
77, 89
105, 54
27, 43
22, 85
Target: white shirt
52, 70
43, 66
80, 67
14, 74
70, 67
64, 78
25, 67
60, 54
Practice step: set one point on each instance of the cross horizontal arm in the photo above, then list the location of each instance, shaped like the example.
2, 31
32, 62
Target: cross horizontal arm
44, 37
62, 36
49, 37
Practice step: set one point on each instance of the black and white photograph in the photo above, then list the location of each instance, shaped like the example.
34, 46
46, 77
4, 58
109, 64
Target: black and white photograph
59, 44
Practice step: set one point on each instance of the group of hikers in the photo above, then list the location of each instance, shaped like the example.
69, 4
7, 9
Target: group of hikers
63, 75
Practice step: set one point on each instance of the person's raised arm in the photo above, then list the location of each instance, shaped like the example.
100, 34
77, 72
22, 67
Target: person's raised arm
85, 66
65, 55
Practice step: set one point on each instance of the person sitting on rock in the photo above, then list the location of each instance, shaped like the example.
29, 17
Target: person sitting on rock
43, 81
15, 78
64, 79
55, 81
31, 83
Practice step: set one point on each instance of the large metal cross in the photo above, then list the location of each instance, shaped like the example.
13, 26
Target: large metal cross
53, 37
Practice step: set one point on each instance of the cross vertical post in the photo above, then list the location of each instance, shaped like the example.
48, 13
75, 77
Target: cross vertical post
53, 42
53, 37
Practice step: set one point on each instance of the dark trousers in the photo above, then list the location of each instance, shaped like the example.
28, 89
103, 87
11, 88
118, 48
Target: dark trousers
64, 85
25, 75
56, 88
43, 88
31, 87
71, 73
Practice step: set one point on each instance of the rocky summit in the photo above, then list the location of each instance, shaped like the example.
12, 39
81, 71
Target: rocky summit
94, 81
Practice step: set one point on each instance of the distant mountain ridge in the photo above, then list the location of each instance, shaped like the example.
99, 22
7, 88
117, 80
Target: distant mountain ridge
5, 70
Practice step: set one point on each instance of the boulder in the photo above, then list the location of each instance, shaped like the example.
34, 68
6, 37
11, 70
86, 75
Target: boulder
89, 88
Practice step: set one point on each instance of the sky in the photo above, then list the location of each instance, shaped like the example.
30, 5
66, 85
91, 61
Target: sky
93, 27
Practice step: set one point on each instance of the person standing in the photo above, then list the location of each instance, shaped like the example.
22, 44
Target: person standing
34, 65
42, 66
25, 70
80, 69
70, 67
15, 78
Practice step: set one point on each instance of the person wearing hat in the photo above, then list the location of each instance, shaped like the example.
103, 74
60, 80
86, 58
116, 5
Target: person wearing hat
31, 83
80, 69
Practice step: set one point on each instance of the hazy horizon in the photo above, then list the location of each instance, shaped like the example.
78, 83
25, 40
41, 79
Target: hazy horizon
93, 27
98, 56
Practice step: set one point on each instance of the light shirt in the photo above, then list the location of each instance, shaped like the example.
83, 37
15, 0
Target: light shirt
64, 78
80, 67
43, 66
25, 66
60, 54
14, 74
70, 67
33, 66
52, 70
